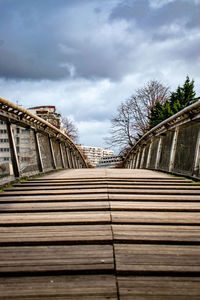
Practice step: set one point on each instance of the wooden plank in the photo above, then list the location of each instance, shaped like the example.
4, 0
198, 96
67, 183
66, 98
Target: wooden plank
154, 191
55, 206
154, 206
56, 234
156, 233
159, 187
54, 192
53, 198
57, 188
151, 288
55, 218
146, 197
86, 287
28, 189
157, 258
104, 182
156, 217
56, 259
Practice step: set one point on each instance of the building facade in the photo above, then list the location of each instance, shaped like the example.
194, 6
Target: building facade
48, 113
109, 161
95, 154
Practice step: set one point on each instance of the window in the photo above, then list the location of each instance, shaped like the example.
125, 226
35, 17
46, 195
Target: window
4, 150
6, 159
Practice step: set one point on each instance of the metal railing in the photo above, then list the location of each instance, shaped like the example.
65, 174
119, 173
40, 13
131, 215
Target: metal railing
172, 146
30, 145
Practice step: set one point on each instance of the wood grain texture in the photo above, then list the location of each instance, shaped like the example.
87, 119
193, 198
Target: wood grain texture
87, 287
55, 206
56, 258
155, 217
157, 258
94, 234
56, 234
55, 218
156, 233
159, 288
154, 206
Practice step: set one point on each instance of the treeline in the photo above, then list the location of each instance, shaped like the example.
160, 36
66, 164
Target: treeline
181, 98
146, 108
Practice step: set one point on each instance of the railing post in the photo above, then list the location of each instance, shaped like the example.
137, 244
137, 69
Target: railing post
73, 162
13, 151
131, 161
158, 153
149, 155
38, 152
65, 153
52, 153
61, 154
195, 171
69, 157
142, 158
134, 161
173, 149
138, 159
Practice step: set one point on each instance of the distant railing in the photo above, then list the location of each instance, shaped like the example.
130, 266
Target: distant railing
30, 145
172, 146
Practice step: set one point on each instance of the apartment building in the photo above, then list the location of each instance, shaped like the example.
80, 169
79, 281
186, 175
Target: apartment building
48, 113
95, 154
109, 161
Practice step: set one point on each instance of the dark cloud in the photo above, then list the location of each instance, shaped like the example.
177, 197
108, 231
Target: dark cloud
183, 13
55, 39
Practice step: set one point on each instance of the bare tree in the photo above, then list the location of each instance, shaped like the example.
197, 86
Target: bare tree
70, 128
131, 119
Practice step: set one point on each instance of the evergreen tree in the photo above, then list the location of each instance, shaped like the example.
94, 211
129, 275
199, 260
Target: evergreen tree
183, 96
178, 100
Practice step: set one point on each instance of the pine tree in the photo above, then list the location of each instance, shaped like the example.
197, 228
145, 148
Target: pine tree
183, 96
178, 100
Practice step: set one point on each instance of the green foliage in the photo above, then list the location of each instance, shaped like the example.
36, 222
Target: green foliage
178, 100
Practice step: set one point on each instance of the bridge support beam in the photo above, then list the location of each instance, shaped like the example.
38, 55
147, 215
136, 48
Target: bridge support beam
158, 153
173, 149
149, 155
13, 150
52, 153
196, 166
61, 155
38, 152
142, 158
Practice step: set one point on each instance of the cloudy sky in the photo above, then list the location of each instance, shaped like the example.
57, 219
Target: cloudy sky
86, 56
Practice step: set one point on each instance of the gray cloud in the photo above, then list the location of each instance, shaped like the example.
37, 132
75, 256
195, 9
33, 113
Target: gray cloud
86, 56
52, 40
184, 13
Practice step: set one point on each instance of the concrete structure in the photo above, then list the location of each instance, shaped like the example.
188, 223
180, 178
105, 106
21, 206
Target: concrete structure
23, 138
172, 146
95, 154
109, 161
30, 145
48, 113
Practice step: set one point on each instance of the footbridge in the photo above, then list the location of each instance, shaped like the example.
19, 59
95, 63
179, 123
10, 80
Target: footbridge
82, 233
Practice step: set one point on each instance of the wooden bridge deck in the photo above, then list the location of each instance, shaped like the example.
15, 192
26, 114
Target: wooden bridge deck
100, 234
